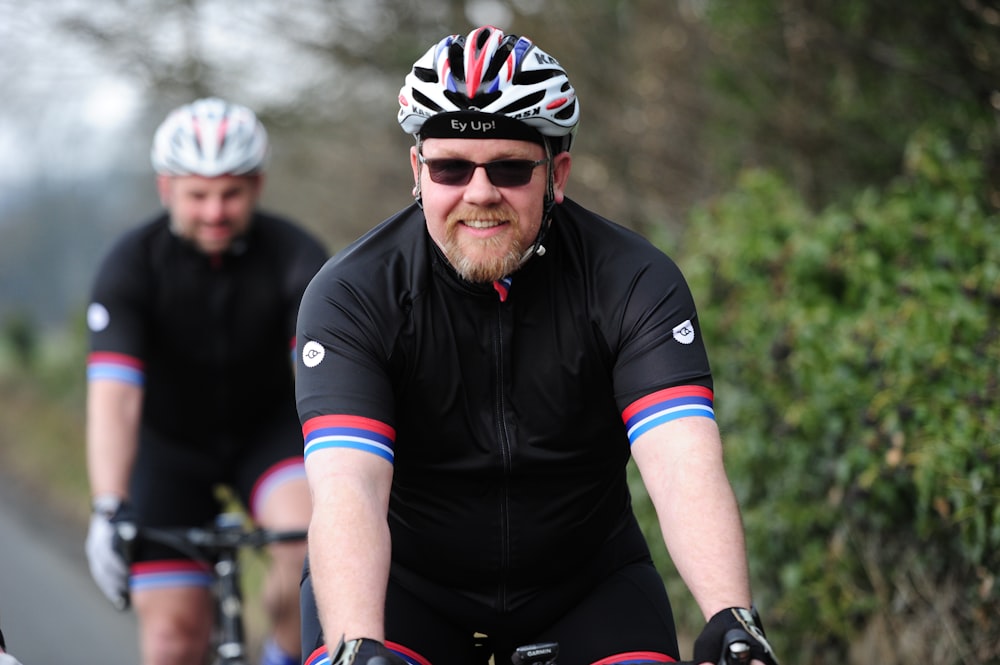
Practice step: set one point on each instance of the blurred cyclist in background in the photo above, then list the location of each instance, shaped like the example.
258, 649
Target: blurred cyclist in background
469, 407
190, 382
6, 658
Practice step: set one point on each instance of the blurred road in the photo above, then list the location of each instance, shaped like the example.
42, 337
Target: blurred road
51, 611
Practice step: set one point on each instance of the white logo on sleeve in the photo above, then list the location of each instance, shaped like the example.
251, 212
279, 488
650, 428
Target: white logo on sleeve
684, 333
97, 317
313, 353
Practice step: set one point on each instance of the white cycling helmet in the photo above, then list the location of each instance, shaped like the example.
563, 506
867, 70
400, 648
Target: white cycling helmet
210, 137
488, 72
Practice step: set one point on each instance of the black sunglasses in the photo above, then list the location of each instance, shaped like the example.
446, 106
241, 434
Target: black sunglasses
502, 172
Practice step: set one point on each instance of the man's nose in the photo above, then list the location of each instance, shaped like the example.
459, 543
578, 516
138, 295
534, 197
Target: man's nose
215, 209
480, 188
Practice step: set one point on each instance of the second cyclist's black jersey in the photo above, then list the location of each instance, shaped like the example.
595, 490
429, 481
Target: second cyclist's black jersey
507, 409
209, 338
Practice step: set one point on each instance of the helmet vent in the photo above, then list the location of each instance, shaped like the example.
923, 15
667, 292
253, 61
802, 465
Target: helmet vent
424, 100
533, 77
426, 75
455, 59
567, 112
483, 36
525, 102
480, 101
499, 58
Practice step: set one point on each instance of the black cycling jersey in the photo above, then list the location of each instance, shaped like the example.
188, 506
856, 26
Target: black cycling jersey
506, 409
208, 337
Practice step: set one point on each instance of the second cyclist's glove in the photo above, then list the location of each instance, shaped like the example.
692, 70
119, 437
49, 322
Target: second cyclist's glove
106, 553
364, 652
734, 625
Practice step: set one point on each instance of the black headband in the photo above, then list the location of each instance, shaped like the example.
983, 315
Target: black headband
476, 125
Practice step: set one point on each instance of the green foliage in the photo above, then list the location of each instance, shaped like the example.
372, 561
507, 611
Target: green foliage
19, 340
828, 93
857, 361
42, 418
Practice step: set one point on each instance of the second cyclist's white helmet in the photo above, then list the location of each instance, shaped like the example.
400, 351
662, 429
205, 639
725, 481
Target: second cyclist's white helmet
210, 137
488, 72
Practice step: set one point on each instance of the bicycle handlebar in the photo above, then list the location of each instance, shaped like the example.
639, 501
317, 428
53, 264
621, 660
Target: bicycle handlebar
738, 653
227, 534
216, 546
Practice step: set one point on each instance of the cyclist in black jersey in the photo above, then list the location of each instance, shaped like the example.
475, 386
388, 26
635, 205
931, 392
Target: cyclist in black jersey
190, 382
473, 376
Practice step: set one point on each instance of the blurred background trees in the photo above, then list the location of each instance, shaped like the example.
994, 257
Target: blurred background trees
827, 174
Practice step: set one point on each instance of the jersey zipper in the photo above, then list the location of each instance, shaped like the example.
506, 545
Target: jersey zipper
503, 438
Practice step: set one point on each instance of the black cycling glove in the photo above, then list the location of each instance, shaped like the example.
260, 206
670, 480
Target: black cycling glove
364, 652
732, 625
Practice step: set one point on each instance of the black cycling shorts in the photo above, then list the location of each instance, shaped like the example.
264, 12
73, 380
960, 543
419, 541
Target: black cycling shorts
176, 484
626, 618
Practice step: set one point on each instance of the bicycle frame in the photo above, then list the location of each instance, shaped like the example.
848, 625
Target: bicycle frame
219, 547
229, 599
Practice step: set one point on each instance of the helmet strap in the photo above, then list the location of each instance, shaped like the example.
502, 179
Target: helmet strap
550, 201
417, 195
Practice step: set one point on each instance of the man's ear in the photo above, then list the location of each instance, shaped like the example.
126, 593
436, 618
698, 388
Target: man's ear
163, 189
415, 165
561, 165
259, 180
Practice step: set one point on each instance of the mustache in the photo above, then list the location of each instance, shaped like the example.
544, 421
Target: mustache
502, 213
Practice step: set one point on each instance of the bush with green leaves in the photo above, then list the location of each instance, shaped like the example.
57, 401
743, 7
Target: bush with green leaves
857, 360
